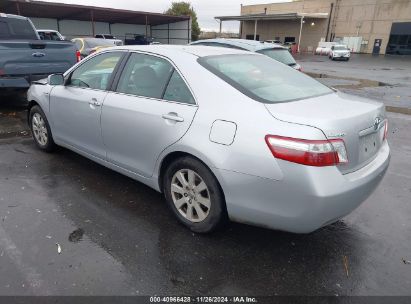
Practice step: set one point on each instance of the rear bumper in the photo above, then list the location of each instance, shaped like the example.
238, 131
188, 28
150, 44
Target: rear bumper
306, 199
22, 82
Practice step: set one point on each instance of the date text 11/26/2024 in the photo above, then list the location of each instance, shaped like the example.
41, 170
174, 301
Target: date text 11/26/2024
204, 299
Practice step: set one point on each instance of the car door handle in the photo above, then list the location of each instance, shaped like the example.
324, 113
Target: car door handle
94, 102
173, 116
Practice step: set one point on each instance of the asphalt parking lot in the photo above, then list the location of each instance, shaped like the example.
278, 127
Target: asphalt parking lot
117, 237
384, 78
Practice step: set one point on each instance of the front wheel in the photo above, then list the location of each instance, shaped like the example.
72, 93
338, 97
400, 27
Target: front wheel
40, 129
194, 195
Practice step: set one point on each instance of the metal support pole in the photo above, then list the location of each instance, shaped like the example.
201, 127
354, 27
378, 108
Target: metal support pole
299, 37
189, 30
168, 33
255, 29
221, 27
241, 30
146, 26
93, 27
18, 8
109, 28
58, 25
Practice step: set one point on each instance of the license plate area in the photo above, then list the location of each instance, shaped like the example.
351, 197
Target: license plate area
370, 144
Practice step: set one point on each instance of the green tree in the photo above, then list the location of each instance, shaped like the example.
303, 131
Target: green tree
185, 9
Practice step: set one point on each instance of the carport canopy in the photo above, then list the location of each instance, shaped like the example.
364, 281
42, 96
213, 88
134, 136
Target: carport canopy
62, 11
278, 16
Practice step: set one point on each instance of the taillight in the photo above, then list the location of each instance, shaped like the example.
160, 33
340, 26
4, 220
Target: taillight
78, 56
317, 153
385, 130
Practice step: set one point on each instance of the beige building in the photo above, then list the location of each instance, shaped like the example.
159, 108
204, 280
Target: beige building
367, 26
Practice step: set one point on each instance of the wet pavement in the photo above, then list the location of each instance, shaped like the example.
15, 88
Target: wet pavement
117, 237
69, 226
384, 78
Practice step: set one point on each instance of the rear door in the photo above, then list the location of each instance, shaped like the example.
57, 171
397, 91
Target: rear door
151, 109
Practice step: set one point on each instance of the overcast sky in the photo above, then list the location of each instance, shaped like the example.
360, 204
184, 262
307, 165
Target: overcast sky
206, 9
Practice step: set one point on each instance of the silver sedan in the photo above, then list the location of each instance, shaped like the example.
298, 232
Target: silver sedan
222, 133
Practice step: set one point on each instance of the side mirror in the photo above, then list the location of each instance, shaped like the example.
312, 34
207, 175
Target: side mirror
55, 79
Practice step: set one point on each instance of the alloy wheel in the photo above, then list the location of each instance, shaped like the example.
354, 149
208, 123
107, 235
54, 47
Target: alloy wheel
190, 195
39, 129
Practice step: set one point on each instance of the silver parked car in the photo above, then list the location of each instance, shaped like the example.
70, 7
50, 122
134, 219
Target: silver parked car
274, 51
222, 133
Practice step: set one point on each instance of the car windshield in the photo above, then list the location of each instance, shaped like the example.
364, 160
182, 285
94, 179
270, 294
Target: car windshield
91, 43
340, 48
262, 78
281, 55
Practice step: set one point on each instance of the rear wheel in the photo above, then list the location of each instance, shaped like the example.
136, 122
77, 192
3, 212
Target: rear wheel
40, 129
194, 195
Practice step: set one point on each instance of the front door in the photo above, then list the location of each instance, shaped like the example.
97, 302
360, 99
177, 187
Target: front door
151, 109
76, 106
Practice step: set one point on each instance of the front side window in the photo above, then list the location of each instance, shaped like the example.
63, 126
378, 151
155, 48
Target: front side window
281, 55
262, 78
96, 72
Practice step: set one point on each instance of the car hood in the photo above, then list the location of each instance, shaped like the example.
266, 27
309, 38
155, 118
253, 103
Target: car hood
337, 115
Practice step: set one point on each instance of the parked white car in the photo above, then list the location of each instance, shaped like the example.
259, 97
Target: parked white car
110, 38
339, 52
50, 35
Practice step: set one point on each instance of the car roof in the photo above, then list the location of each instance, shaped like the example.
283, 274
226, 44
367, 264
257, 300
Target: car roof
43, 30
250, 45
12, 16
174, 50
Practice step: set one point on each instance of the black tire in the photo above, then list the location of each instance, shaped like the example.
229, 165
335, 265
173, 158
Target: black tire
49, 146
217, 216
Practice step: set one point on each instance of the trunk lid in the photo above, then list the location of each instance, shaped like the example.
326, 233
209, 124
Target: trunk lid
343, 116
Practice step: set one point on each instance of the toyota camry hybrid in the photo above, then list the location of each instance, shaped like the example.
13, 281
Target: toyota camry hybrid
222, 133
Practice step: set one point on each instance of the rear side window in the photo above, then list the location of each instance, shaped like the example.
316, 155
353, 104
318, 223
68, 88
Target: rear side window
177, 90
262, 78
13, 28
145, 75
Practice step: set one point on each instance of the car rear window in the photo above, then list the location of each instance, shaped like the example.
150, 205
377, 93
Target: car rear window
262, 78
16, 28
281, 55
